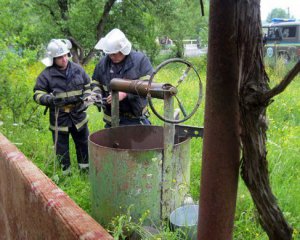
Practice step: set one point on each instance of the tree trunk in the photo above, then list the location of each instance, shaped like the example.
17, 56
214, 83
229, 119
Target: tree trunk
253, 86
64, 9
78, 53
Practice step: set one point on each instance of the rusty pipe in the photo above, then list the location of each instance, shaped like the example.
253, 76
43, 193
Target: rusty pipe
141, 88
221, 144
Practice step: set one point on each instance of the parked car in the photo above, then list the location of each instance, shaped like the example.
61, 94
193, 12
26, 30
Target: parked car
282, 39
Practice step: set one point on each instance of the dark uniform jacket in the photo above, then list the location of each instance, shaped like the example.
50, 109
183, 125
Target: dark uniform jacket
69, 86
135, 66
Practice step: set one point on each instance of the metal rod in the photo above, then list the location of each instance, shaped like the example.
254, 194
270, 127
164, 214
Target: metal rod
115, 118
139, 87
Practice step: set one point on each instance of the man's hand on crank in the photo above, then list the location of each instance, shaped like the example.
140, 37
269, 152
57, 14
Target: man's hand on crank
122, 95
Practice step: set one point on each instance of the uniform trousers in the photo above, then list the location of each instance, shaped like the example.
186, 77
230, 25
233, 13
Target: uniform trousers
80, 139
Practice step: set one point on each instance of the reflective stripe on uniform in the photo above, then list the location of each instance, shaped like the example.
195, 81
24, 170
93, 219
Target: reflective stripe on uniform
83, 165
84, 121
69, 94
39, 91
95, 82
106, 117
38, 94
104, 87
96, 88
61, 129
145, 78
66, 129
145, 110
67, 171
37, 97
88, 91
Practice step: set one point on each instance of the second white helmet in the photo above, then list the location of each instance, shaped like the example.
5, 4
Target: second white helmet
56, 48
115, 41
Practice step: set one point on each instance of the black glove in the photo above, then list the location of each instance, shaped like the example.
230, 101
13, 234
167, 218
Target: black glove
59, 102
53, 101
72, 100
49, 100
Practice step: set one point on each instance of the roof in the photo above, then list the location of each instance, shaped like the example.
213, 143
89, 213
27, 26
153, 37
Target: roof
296, 23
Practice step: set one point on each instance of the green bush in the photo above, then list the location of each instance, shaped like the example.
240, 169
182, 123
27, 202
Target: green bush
16, 80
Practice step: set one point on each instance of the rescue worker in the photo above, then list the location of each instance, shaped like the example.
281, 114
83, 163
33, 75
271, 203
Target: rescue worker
121, 61
61, 87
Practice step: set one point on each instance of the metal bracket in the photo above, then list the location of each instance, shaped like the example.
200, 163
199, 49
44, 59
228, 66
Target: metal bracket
183, 131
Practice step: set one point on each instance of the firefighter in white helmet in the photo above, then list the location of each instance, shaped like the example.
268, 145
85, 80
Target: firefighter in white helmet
62, 86
56, 48
121, 62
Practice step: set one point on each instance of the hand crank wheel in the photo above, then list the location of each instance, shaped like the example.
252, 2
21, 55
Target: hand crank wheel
186, 115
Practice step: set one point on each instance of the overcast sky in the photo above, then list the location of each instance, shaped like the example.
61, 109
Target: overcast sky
266, 7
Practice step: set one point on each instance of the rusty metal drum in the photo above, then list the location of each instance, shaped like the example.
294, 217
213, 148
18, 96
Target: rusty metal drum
126, 172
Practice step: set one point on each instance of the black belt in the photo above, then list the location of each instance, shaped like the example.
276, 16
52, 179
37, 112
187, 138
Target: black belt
107, 118
128, 115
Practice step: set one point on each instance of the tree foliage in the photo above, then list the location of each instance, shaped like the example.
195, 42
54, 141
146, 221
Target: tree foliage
184, 21
85, 22
277, 13
15, 78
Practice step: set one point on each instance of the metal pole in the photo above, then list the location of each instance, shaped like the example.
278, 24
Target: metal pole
115, 109
220, 160
139, 87
169, 132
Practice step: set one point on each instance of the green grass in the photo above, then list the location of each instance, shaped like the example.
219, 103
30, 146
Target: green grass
283, 147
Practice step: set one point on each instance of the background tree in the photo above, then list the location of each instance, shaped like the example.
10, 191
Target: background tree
184, 21
85, 22
138, 20
277, 13
82, 22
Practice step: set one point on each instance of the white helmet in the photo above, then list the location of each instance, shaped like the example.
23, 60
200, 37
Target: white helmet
115, 41
56, 48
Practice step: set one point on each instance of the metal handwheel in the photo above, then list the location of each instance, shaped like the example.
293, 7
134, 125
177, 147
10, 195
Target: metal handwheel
186, 115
